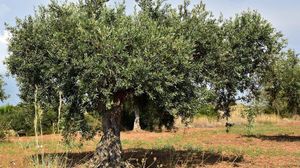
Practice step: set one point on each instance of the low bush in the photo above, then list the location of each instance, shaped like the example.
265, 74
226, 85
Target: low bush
20, 118
207, 110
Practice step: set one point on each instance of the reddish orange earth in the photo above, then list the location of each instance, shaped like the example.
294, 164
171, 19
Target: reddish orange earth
275, 145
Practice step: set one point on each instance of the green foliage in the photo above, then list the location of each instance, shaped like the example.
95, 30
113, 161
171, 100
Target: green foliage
3, 96
16, 118
205, 103
250, 113
4, 127
93, 122
207, 110
252, 43
98, 57
282, 85
4, 124
21, 117
2, 134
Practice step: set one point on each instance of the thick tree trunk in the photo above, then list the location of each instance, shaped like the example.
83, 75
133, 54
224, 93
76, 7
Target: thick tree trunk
109, 150
136, 124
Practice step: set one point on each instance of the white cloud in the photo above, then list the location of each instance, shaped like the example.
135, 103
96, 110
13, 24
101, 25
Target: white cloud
4, 37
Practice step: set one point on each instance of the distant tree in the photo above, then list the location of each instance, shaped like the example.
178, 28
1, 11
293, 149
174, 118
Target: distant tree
20, 118
281, 88
231, 56
249, 45
3, 96
3, 123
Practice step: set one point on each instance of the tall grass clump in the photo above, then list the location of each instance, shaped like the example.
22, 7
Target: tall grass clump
55, 161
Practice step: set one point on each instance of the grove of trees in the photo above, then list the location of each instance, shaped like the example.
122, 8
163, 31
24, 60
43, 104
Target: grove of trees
93, 58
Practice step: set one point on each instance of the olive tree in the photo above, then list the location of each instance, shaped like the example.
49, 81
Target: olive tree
233, 56
249, 45
98, 57
281, 87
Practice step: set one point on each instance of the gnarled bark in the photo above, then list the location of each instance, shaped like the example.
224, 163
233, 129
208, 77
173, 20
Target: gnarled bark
109, 150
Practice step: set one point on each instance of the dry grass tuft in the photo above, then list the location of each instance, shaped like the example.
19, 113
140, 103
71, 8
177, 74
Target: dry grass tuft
237, 117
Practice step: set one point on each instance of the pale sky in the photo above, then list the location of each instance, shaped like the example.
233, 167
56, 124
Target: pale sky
283, 14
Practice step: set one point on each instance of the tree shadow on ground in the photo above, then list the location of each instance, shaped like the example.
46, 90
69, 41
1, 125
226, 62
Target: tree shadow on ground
155, 158
279, 138
172, 158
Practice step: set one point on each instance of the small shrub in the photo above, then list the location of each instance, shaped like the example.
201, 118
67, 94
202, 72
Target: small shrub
207, 110
2, 135
250, 114
4, 127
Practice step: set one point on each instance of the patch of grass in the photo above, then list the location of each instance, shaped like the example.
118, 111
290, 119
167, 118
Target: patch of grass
56, 161
167, 147
191, 147
250, 151
27, 145
135, 144
263, 129
9, 148
125, 142
5, 143
297, 154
